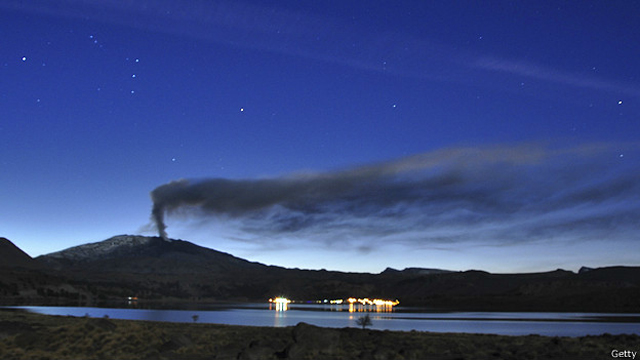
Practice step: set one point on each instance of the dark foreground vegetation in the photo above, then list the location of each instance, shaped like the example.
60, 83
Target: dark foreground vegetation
29, 336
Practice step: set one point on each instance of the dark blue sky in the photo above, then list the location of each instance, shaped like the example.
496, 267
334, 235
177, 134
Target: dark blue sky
341, 135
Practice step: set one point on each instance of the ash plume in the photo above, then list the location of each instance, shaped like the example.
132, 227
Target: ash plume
504, 194
157, 214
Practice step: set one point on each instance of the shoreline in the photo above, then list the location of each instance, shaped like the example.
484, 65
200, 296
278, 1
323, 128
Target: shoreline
25, 335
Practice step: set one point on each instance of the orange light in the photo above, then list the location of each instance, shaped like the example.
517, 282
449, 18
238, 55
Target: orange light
282, 303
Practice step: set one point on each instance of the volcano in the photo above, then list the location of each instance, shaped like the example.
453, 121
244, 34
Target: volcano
145, 255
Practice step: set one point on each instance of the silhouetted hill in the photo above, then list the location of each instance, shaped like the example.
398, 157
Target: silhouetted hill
600, 290
154, 269
25, 281
13, 257
415, 271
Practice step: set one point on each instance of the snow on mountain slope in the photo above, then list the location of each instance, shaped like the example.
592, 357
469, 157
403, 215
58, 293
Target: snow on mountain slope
104, 249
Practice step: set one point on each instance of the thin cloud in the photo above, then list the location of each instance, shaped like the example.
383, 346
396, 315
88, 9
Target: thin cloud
311, 36
539, 72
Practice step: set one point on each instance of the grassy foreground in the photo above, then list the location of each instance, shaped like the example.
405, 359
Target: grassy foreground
31, 336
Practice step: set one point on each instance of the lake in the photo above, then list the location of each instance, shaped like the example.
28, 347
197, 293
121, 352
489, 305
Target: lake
401, 318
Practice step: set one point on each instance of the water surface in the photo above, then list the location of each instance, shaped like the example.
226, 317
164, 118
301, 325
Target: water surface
403, 319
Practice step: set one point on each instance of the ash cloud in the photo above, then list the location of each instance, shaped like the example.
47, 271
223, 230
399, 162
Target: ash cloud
497, 195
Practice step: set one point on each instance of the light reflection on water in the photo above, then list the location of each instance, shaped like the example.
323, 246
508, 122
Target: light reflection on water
406, 319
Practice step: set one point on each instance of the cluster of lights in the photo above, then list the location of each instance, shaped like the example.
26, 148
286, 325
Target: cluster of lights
361, 301
281, 303
362, 304
355, 304
280, 300
376, 302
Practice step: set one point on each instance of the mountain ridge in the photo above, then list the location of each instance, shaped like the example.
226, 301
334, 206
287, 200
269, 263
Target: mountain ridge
161, 271
138, 245
416, 271
135, 253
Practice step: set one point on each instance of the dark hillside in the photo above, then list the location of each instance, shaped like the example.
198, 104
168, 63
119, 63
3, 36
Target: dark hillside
13, 257
157, 270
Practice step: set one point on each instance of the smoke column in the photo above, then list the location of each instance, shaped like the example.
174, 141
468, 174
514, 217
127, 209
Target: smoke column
157, 215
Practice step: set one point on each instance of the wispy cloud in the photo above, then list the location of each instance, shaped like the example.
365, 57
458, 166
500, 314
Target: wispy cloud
313, 36
540, 72
499, 195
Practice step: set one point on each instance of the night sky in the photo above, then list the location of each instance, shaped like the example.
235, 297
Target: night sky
345, 135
